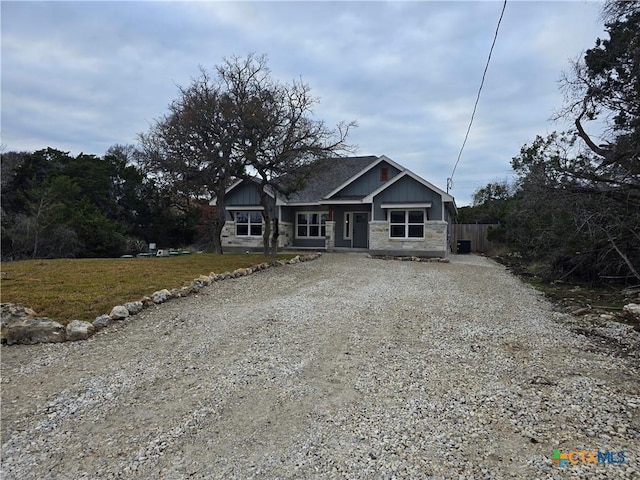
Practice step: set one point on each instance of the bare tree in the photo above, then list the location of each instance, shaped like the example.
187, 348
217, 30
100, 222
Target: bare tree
278, 138
190, 148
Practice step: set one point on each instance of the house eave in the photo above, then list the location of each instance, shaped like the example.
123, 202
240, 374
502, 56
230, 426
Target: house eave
341, 202
300, 204
405, 205
230, 208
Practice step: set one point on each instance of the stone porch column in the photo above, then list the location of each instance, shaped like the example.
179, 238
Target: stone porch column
330, 236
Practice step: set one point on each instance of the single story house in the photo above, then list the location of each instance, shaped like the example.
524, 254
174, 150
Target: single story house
362, 203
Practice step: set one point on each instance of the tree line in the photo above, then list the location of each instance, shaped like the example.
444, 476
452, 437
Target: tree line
574, 203
58, 205
238, 123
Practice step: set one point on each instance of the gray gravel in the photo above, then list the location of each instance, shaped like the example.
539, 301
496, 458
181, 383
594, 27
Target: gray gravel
343, 367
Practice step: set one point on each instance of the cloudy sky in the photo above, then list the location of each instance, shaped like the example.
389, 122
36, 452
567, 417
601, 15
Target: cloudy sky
82, 76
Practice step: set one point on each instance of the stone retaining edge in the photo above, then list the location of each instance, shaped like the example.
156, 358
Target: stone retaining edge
82, 330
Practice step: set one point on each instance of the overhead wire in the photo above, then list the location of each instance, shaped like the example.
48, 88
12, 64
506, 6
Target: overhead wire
475, 106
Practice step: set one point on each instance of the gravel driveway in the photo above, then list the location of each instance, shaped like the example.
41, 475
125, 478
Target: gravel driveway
343, 367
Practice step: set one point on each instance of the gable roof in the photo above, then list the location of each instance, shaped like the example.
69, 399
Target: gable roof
329, 173
358, 174
328, 176
447, 200
445, 196
240, 181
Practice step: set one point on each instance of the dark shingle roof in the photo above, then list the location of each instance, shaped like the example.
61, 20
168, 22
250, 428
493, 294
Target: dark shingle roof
329, 173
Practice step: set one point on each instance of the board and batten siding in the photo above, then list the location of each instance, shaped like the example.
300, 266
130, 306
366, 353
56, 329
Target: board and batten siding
244, 194
408, 190
368, 182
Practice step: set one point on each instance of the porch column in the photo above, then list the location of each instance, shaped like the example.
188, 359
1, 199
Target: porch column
330, 235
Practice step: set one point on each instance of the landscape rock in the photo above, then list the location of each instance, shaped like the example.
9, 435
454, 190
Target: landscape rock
147, 301
79, 330
161, 296
202, 281
119, 312
134, 307
15, 310
20, 325
632, 310
102, 321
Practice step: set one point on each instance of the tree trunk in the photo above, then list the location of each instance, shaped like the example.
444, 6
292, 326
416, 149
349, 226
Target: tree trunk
216, 233
274, 241
219, 221
266, 214
267, 231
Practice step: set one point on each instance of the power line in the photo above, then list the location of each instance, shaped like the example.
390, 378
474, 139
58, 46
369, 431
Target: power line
475, 106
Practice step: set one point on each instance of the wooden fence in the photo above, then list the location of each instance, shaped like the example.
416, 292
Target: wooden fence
476, 232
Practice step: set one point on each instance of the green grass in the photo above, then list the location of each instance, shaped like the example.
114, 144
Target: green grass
70, 289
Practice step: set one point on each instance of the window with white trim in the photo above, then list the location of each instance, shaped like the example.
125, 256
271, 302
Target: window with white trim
406, 223
311, 224
249, 224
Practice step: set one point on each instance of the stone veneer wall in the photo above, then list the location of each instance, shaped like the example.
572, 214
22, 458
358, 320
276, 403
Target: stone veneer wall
434, 242
330, 235
229, 238
286, 234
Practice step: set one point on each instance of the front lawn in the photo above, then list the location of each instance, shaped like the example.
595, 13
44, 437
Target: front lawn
82, 289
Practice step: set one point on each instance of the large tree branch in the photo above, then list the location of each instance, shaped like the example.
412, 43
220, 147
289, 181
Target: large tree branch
587, 139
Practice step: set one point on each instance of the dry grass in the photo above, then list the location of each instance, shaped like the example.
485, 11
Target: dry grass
69, 289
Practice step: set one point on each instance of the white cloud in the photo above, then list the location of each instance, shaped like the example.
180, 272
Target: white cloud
85, 75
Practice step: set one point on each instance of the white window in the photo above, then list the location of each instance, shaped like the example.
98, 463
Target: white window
249, 224
347, 227
311, 224
406, 223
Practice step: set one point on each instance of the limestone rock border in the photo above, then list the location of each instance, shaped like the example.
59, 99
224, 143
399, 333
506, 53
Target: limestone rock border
81, 330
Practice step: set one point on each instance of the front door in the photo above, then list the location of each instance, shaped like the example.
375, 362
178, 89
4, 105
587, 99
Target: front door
361, 230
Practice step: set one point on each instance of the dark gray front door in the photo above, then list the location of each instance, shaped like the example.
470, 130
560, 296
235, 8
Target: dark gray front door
360, 230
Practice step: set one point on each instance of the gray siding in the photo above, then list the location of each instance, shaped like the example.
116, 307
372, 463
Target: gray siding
245, 194
338, 216
410, 191
369, 182
288, 214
